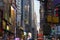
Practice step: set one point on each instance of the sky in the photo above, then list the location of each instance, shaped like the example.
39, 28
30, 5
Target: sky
36, 10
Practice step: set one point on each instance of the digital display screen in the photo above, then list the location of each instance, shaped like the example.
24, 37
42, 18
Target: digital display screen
55, 2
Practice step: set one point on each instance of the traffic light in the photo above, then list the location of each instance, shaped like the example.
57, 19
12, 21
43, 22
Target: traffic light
46, 29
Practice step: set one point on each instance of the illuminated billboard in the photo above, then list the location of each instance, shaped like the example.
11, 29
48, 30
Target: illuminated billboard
55, 2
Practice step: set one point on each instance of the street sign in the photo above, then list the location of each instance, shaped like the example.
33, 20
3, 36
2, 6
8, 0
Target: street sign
49, 18
55, 19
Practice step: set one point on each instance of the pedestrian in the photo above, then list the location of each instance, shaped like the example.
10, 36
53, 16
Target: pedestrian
53, 38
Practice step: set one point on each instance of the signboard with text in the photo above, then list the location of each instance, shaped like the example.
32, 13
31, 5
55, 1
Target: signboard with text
55, 19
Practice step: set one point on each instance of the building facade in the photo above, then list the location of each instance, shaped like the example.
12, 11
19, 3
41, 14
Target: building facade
27, 14
42, 14
8, 17
49, 13
35, 26
28, 10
